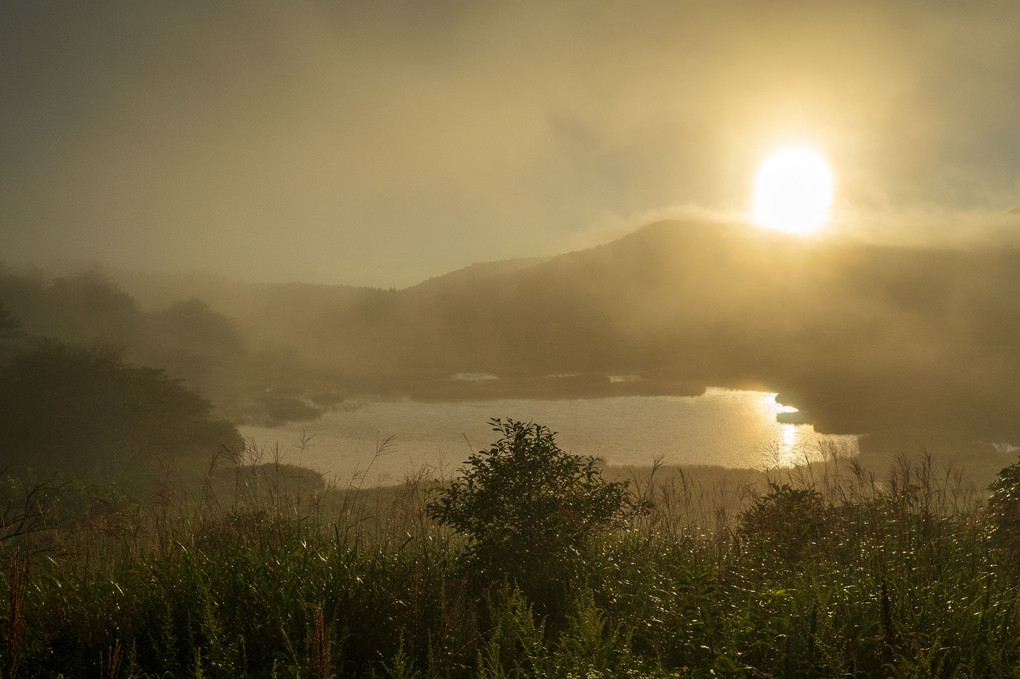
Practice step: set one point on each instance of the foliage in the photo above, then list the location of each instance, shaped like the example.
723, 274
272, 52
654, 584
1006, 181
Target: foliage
84, 411
25, 508
84, 307
1004, 508
530, 511
786, 521
189, 339
192, 341
336, 582
8, 323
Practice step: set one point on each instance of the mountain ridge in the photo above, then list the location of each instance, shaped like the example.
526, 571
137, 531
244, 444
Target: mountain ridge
901, 343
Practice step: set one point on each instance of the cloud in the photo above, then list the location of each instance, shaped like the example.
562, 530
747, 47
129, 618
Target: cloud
384, 143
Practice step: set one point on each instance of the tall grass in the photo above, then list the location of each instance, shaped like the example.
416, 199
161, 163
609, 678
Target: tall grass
822, 570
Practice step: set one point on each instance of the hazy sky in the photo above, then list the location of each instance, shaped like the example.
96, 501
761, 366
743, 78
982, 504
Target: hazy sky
380, 143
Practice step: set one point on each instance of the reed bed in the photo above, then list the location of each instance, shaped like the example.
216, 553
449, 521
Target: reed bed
823, 570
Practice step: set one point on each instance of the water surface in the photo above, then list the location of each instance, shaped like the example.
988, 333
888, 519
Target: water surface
721, 427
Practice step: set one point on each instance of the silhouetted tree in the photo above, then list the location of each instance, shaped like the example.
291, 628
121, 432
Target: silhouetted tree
89, 307
11, 335
8, 323
84, 411
84, 307
192, 341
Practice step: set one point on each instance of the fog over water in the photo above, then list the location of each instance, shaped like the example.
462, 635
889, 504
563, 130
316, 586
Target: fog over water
257, 256
911, 348
295, 207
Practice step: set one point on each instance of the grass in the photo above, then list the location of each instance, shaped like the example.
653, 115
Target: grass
824, 570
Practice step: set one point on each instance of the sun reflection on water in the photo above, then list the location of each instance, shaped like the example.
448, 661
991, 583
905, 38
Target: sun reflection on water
774, 407
722, 427
789, 447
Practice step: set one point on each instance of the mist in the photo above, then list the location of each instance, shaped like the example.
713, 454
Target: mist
383, 145
909, 347
407, 339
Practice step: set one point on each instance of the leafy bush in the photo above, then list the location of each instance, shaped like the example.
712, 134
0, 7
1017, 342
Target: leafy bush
355, 584
530, 511
785, 522
1004, 507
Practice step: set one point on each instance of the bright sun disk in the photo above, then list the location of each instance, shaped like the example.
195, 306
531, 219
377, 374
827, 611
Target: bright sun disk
793, 191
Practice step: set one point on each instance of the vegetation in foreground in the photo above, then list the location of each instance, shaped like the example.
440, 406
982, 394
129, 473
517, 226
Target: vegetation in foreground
529, 564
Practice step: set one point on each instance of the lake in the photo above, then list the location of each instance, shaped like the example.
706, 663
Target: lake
721, 427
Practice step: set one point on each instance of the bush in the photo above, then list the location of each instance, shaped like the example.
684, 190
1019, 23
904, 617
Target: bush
530, 512
785, 522
1004, 508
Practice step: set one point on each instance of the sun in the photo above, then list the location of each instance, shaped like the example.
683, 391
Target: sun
793, 191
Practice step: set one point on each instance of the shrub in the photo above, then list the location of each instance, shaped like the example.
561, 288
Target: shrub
530, 511
1004, 507
785, 522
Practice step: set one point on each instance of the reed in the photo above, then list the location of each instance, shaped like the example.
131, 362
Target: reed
824, 570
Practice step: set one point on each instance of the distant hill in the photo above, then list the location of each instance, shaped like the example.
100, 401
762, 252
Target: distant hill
914, 344
470, 275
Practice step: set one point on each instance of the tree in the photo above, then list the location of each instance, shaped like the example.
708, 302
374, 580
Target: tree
87, 307
531, 512
10, 334
84, 411
8, 323
194, 342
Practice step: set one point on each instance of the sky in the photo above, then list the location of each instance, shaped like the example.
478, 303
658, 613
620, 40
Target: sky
381, 143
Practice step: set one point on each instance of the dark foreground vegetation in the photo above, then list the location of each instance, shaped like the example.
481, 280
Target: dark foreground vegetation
529, 564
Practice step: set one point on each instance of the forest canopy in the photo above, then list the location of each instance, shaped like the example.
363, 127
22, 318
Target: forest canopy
85, 411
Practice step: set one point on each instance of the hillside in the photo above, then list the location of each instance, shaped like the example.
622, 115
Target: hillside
913, 346
864, 338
